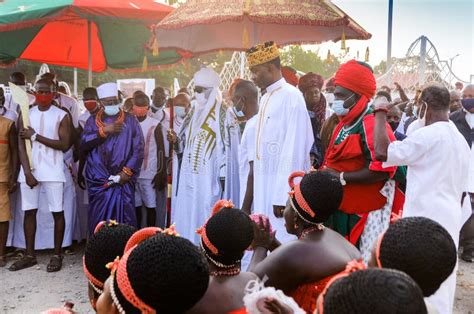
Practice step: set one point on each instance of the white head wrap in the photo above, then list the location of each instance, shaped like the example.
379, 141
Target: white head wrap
207, 77
107, 90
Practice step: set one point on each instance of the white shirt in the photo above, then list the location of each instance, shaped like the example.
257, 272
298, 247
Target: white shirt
83, 118
283, 139
71, 105
47, 162
437, 157
246, 155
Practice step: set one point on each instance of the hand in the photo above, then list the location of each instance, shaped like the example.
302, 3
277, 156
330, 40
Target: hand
31, 180
81, 181
278, 211
262, 237
113, 128
382, 103
26, 134
397, 86
124, 178
160, 181
332, 172
171, 136
270, 305
12, 186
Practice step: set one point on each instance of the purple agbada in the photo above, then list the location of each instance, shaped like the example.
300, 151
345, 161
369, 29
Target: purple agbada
106, 157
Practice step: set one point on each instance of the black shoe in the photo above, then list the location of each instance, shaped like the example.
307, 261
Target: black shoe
467, 256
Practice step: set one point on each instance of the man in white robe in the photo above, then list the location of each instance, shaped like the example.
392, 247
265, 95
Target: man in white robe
436, 154
284, 136
199, 184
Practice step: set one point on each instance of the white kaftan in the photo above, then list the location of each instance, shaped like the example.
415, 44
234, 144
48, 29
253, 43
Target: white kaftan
436, 155
284, 137
199, 185
232, 141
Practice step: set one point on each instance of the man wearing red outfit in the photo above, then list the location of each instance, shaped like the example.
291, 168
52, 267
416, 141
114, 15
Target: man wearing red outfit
371, 192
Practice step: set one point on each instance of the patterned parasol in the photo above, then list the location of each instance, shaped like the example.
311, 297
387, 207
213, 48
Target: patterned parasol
200, 26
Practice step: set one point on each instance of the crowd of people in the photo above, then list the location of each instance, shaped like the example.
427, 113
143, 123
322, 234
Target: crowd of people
289, 194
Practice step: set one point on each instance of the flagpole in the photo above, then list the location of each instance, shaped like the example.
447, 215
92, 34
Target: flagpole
389, 37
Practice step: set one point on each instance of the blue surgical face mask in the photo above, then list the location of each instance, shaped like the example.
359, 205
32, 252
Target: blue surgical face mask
338, 106
112, 110
238, 113
179, 111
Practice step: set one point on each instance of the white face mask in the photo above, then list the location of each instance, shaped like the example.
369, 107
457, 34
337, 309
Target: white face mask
422, 122
200, 98
338, 106
180, 112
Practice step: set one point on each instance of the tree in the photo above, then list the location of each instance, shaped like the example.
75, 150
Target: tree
381, 68
309, 61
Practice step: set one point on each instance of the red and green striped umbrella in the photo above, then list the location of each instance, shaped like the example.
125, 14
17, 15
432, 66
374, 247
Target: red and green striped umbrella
59, 32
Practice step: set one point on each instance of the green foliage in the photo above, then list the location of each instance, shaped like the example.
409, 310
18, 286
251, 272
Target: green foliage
183, 71
309, 61
381, 68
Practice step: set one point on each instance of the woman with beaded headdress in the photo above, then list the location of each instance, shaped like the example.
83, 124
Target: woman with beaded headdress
224, 238
302, 268
160, 272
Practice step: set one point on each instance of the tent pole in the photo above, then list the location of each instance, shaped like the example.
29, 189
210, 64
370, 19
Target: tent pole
89, 52
75, 82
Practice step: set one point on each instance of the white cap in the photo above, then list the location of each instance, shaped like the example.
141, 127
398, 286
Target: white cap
107, 90
207, 78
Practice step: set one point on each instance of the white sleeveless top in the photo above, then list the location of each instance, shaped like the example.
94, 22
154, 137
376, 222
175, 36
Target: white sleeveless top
47, 162
149, 167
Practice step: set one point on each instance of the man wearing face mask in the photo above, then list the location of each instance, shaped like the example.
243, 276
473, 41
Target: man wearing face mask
464, 121
203, 157
113, 142
18, 79
437, 157
245, 107
49, 136
371, 192
394, 116
181, 106
283, 136
152, 179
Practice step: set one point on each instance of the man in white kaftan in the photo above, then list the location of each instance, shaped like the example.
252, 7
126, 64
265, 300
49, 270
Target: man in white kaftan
284, 136
199, 185
436, 155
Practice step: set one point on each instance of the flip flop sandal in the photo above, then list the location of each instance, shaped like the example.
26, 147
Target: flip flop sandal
25, 262
55, 264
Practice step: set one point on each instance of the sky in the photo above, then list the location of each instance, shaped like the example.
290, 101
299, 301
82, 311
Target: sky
449, 24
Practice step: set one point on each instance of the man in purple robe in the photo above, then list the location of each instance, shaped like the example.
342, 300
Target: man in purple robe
113, 143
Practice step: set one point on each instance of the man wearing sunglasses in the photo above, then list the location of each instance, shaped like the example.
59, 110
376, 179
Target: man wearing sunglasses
203, 163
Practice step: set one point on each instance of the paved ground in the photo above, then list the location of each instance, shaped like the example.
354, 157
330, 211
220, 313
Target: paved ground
34, 290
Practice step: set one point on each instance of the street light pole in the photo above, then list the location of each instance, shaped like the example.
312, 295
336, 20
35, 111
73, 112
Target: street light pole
451, 61
389, 35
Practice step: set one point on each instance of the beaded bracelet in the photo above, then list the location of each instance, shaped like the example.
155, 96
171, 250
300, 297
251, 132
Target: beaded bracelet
127, 171
102, 133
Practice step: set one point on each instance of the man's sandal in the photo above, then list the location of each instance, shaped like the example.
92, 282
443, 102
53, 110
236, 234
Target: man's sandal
55, 264
24, 262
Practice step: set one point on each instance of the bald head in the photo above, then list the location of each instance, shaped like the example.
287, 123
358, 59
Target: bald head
468, 91
246, 89
454, 100
245, 99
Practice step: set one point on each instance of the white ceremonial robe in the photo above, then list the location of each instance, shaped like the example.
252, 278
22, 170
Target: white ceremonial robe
231, 146
199, 187
284, 137
246, 155
437, 156
163, 117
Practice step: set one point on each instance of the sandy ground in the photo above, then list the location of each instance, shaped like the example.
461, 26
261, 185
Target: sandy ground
34, 290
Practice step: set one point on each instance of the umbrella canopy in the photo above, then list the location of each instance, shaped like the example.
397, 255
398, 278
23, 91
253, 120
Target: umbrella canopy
200, 26
59, 32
